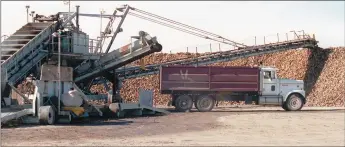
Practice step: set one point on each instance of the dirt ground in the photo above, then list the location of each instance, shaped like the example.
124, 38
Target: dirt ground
223, 126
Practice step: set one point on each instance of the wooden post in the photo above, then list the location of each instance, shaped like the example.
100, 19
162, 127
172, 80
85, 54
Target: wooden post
287, 37
196, 55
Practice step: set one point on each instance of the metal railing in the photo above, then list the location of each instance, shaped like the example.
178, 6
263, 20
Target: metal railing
89, 44
93, 45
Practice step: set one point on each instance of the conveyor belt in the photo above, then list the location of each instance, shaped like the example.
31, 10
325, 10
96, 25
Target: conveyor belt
20, 52
137, 71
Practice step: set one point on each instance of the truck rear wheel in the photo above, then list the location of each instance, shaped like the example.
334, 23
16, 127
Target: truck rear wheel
293, 103
204, 103
183, 103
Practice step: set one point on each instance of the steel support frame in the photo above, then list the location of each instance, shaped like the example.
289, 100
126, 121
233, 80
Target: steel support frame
68, 20
124, 15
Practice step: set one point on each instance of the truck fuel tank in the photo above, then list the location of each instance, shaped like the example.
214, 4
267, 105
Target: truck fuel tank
271, 100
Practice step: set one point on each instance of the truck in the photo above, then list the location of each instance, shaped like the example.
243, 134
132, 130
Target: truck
205, 86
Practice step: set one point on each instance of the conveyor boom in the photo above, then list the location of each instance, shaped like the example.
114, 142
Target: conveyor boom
21, 51
137, 71
120, 57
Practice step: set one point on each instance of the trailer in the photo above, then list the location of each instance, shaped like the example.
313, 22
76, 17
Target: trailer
204, 86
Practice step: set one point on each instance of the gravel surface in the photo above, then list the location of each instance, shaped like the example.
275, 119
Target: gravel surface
223, 126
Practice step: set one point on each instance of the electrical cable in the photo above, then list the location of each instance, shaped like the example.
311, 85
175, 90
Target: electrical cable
187, 26
174, 27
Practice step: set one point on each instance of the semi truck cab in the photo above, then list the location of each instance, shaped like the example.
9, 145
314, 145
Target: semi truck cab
287, 93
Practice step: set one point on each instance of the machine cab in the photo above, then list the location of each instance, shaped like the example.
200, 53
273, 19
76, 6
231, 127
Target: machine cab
269, 81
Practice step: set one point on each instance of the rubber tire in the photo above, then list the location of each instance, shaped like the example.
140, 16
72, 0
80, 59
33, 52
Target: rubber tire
198, 103
284, 107
287, 104
114, 107
188, 100
47, 115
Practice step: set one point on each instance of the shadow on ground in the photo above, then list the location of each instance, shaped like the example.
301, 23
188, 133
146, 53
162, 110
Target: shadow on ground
251, 110
80, 122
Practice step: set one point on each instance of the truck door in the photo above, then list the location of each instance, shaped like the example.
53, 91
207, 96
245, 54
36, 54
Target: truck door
270, 83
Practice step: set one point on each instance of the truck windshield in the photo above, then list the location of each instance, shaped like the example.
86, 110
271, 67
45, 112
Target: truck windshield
267, 75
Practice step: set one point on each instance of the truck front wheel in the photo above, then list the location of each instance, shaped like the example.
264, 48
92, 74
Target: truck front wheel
293, 103
183, 103
204, 103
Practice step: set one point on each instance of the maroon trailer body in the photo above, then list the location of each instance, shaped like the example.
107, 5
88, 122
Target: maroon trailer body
209, 79
206, 85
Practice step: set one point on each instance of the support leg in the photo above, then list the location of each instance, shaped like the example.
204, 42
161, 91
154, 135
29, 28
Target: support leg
5, 93
116, 89
89, 85
3, 102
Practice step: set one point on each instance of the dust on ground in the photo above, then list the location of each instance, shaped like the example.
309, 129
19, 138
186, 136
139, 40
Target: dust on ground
223, 126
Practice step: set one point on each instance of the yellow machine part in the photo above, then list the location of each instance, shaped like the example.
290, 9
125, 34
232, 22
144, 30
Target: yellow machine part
76, 110
142, 64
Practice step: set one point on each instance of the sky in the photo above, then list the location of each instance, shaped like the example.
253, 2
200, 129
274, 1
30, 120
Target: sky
237, 21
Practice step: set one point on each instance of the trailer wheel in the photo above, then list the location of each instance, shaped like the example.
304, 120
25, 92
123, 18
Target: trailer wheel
204, 103
183, 103
46, 115
293, 103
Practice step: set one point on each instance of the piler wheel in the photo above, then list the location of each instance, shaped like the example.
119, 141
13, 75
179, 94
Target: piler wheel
46, 115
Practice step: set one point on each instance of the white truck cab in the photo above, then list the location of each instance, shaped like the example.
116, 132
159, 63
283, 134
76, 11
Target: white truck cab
287, 93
